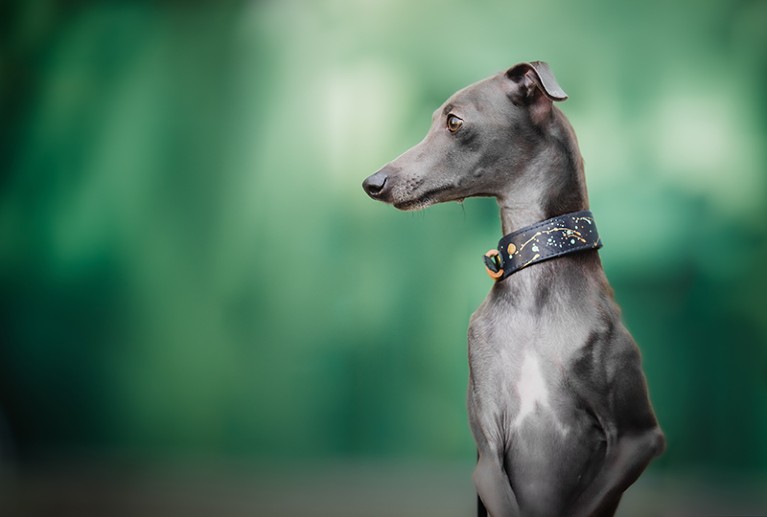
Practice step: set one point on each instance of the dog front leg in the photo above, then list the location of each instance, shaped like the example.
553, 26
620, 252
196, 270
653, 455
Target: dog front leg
626, 458
493, 486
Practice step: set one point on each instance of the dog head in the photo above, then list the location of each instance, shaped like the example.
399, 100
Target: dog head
480, 140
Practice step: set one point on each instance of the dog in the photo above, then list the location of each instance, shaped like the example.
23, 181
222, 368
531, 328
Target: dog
557, 399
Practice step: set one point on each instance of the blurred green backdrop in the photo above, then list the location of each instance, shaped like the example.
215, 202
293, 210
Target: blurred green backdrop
190, 269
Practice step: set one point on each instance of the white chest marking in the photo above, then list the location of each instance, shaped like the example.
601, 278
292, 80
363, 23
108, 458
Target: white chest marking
533, 392
531, 388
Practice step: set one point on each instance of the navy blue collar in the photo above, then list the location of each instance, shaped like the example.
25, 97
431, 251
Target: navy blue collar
561, 235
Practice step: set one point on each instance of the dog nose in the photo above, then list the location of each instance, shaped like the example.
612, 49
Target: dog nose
374, 184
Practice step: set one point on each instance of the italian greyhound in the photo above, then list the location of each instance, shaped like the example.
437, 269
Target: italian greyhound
557, 400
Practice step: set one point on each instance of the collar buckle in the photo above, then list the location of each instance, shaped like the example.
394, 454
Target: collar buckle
493, 264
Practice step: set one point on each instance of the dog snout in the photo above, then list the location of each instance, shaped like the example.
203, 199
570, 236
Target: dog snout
375, 184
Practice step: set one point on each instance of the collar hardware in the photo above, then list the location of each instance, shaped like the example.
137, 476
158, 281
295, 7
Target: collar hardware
493, 263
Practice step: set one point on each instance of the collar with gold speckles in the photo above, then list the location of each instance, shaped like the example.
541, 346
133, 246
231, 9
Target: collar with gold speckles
560, 235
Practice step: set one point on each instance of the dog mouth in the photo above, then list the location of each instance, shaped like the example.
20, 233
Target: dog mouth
425, 200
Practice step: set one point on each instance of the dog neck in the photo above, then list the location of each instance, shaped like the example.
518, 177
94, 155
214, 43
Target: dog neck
527, 204
551, 183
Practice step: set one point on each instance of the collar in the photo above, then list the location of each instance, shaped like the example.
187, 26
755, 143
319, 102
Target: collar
560, 235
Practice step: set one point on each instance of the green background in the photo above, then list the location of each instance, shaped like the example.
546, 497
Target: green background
191, 275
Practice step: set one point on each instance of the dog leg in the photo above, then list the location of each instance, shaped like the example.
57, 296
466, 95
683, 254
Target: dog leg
625, 461
481, 510
493, 486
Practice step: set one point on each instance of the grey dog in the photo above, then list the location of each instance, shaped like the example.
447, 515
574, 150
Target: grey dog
557, 400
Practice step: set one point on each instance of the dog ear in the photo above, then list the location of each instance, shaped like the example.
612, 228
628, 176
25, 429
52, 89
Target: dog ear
532, 79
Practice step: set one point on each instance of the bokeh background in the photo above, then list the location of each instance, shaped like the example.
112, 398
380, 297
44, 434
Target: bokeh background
203, 314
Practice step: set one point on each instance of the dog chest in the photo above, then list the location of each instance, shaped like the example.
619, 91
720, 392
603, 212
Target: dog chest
519, 377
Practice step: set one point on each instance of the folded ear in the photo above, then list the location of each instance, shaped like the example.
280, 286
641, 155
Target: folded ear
530, 80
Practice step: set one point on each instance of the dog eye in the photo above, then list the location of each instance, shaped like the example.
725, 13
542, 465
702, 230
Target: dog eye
453, 123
